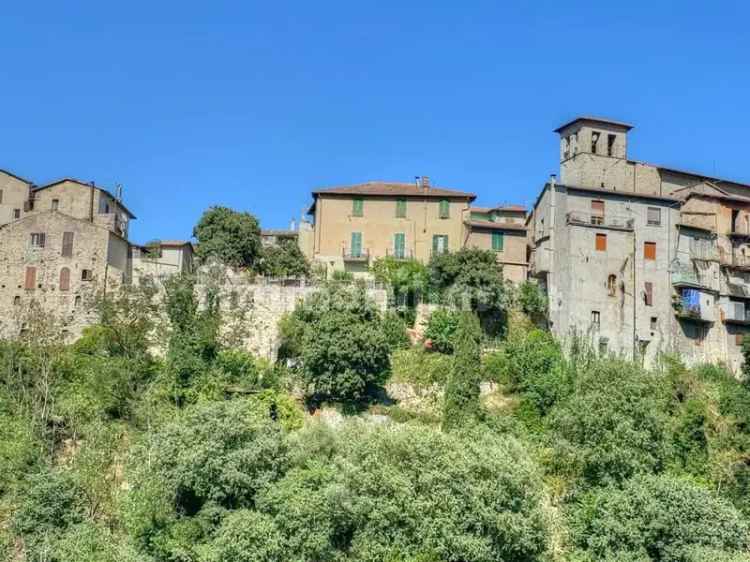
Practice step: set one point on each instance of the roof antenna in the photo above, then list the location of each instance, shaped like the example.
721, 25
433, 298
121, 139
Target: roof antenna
118, 192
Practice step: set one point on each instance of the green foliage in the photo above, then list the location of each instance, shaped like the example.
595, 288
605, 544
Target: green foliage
657, 518
441, 329
394, 329
284, 259
89, 542
342, 276
419, 367
248, 536
337, 337
462, 391
20, 448
532, 300
746, 358
231, 237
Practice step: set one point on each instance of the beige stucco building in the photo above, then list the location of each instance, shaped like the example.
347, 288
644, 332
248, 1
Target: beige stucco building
355, 225
160, 259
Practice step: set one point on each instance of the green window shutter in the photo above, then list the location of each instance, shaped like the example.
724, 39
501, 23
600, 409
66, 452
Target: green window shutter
497, 241
435, 244
356, 248
439, 244
401, 208
445, 244
358, 206
475, 216
445, 209
399, 245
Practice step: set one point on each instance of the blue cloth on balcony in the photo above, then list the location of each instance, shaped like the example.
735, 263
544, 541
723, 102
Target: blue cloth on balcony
691, 299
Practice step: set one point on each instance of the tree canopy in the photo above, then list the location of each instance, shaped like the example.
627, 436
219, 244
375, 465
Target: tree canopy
231, 237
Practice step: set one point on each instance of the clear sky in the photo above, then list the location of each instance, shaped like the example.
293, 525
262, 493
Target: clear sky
252, 104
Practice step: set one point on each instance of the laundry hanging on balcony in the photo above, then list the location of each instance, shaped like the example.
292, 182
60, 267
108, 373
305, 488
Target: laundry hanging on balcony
691, 300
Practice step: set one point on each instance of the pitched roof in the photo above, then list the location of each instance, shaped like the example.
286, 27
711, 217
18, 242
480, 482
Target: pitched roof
398, 189
514, 208
594, 119
496, 225
84, 184
19, 178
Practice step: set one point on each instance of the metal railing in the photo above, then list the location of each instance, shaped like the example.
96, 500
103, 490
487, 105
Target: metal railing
595, 219
361, 254
400, 254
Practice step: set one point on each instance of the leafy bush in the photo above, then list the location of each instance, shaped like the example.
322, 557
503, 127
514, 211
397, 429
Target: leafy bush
229, 236
441, 330
394, 329
532, 300
247, 536
89, 542
462, 391
657, 518
419, 367
284, 259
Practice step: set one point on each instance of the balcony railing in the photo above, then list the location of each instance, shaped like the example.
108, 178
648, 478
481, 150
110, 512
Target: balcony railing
686, 278
400, 254
355, 254
603, 220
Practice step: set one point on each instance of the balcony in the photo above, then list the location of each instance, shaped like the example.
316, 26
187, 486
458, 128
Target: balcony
686, 278
736, 313
687, 306
356, 255
741, 263
400, 254
613, 222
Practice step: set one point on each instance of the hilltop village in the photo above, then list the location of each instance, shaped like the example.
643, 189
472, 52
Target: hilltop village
638, 259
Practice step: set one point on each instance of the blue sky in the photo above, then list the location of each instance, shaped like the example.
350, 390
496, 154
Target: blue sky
252, 104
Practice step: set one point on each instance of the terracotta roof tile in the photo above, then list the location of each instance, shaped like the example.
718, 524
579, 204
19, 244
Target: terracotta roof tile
402, 189
496, 225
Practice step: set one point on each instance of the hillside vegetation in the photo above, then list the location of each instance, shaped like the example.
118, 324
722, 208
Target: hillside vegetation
204, 453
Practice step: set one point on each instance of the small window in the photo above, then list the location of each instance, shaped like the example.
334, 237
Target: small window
16, 300
356, 249
597, 212
1, 196
594, 141
65, 279
37, 239
595, 318
358, 206
649, 251
55, 204
77, 302
401, 209
601, 242
16, 213
739, 338
30, 280
654, 323
399, 245
445, 209
653, 217
87, 275
498, 241
611, 144
67, 245
648, 293
612, 285
439, 244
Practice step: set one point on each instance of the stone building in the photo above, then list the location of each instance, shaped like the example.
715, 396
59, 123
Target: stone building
355, 225
641, 259
161, 258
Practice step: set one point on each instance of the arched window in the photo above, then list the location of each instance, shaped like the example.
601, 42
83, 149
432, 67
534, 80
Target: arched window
612, 285
65, 279
16, 300
77, 303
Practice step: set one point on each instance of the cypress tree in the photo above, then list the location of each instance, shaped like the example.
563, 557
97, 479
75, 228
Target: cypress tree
461, 405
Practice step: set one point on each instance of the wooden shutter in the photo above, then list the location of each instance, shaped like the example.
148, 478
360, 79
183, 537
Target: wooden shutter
356, 244
401, 208
653, 217
597, 207
399, 244
30, 281
445, 209
67, 246
649, 293
498, 241
64, 279
649, 250
739, 338
358, 206
601, 242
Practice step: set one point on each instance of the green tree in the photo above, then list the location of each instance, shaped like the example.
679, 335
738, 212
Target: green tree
462, 391
746, 358
231, 237
441, 329
284, 259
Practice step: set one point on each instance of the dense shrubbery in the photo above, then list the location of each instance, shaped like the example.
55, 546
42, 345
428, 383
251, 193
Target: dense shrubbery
229, 236
284, 259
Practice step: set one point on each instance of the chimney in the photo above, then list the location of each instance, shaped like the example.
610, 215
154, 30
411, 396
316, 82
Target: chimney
553, 179
425, 183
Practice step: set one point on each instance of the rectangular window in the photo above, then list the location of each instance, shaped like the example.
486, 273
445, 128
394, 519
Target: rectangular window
445, 209
399, 245
654, 322
439, 244
401, 209
739, 338
55, 204
611, 145
37, 239
597, 212
498, 241
594, 141
30, 281
595, 318
648, 293
358, 207
1, 196
601, 242
653, 217
16, 213
67, 245
87, 275
356, 248
649, 251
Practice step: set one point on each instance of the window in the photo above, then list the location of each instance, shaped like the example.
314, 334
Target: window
439, 244
612, 285
358, 207
67, 245
654, 322
601, 242
597, 212
566, 147
1, 196
575, 143
739, 339
649, 251
445, 209
30, 280
594, 141
65, 279
498, 241
653, 216
37, 239
611, 144
401, 209
399, 245
356, 249
648, 293
87, 275
595, 319
77, 302
55, 204
16, 300
16, 213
